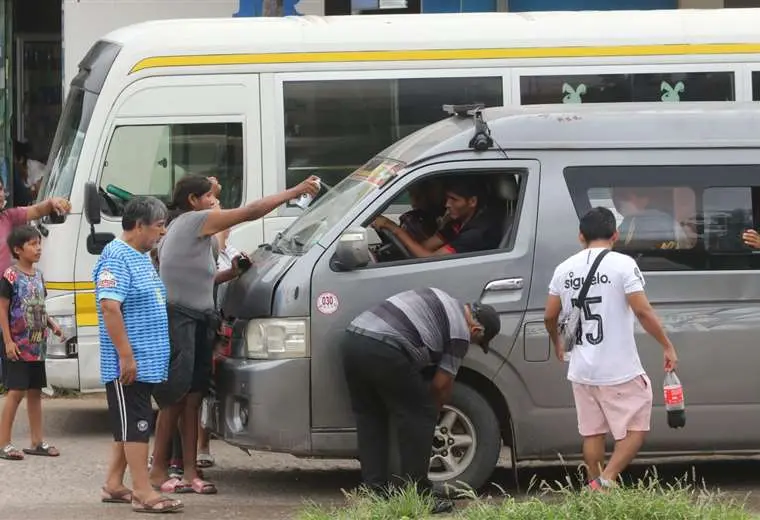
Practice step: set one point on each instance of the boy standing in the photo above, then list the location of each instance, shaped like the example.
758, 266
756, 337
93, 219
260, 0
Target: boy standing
611, 389
24, 323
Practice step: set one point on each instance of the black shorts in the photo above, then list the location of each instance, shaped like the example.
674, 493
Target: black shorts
23, 375
130, 410
191, 335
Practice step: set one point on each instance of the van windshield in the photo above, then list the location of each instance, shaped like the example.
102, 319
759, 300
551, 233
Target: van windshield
326, 211
67, 145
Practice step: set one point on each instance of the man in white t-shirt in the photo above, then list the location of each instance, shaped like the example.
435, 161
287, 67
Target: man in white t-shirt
611, 389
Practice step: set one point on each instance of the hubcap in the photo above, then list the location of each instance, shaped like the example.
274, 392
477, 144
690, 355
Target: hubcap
454, 445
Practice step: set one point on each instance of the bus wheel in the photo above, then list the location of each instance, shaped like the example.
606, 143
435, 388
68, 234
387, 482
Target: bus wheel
466, 444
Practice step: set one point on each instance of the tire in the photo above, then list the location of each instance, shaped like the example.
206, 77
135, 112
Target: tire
470, 405
472, 412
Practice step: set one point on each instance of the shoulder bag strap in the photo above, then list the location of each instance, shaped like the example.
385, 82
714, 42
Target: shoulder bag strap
590, 277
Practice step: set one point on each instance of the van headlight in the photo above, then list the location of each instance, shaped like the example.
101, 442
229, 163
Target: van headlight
278, 338
57, 349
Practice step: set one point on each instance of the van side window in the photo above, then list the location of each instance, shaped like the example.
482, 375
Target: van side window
150, 159
332, 126
675, 218
450, 215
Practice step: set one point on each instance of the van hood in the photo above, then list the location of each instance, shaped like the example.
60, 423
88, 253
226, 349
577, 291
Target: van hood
251, 295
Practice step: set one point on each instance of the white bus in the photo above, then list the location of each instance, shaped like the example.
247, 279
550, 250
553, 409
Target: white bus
262, 103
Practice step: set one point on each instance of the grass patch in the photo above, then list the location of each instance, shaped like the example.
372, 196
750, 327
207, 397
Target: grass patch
646, 499
404, 504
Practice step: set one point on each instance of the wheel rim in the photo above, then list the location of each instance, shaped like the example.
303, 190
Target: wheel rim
454, 445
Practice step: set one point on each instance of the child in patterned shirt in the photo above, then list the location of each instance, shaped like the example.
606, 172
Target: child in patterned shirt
24, 323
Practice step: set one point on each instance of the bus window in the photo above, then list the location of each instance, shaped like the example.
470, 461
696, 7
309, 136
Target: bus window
332, 126
755, 86
150, 159
627, 88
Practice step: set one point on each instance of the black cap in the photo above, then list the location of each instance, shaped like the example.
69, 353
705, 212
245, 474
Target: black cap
489, 318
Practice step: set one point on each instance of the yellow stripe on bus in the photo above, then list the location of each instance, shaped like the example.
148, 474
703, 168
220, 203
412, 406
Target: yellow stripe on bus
86, 311
70, 286
676, 49
84, 302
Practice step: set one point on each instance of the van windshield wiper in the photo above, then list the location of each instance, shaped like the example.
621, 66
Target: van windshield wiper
275, 245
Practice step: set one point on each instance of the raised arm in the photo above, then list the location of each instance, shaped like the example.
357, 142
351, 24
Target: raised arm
226, 218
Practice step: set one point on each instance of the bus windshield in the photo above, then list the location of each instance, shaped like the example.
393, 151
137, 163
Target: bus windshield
67, 145
326, 211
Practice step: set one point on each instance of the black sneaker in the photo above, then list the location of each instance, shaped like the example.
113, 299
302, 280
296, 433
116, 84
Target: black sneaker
441, 506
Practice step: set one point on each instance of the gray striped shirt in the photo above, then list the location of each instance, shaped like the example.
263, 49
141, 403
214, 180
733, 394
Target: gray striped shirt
428, 323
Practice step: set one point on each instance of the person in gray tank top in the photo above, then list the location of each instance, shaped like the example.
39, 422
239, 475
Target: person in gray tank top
185, 254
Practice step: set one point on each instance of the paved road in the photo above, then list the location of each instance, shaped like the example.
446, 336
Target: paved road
263, 486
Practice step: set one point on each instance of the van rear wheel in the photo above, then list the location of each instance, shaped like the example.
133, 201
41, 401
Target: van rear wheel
466, 444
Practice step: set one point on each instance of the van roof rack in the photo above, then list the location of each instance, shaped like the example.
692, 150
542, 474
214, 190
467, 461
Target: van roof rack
464, 110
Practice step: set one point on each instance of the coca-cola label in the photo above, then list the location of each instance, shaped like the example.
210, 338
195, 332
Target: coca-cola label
673, 394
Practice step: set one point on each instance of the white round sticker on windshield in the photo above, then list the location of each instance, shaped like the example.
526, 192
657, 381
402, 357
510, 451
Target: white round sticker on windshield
327, 303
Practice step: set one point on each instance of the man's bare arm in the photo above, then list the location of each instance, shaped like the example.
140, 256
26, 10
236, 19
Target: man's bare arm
644, 312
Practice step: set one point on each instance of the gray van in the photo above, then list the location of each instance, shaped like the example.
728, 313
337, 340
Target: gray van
281, 387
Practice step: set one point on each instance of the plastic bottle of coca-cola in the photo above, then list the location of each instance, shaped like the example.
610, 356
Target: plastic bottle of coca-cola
674, 402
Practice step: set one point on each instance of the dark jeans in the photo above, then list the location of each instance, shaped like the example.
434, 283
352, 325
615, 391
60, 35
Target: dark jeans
384, 384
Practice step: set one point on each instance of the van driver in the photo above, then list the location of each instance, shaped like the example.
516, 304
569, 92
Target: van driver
472, 226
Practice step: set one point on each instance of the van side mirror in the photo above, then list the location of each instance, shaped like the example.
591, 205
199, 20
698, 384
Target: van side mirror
91, 203
95, 241
352, 251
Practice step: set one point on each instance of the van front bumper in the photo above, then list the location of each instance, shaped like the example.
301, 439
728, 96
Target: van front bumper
263, 404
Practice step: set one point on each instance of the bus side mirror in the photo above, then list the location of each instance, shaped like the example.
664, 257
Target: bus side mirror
353, 249
95, 241
91, 204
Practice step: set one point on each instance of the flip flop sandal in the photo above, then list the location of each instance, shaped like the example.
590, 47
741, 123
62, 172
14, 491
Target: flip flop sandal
116, 497
43, 449
173, 485
205, 460
10, 452
160, 505
199, 486
203, 487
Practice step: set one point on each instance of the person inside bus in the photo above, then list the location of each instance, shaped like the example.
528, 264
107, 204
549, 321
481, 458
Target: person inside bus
472, 224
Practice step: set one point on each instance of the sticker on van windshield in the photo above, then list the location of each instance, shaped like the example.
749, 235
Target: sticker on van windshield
378, 171
327, 303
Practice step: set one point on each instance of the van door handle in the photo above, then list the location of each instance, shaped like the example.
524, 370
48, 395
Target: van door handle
508, 284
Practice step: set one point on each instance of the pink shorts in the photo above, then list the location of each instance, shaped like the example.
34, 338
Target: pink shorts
616, 408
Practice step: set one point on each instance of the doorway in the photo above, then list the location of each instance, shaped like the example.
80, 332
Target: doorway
34, 93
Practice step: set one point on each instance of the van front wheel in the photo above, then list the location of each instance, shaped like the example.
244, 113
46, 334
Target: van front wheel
467, 442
